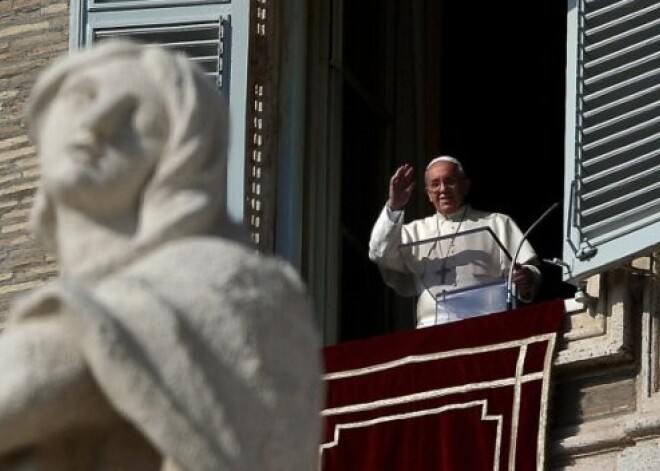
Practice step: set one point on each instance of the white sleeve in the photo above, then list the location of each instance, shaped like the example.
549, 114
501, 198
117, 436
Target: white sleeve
386, 238
384, 251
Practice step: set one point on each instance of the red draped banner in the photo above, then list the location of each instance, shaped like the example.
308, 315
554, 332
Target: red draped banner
470, 395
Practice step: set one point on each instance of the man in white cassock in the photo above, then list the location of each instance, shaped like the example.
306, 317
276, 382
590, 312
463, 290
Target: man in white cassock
457, 261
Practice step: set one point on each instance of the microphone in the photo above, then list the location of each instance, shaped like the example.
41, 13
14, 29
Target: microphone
509, 281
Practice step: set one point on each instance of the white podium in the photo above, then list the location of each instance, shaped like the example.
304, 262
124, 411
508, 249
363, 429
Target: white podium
458, 275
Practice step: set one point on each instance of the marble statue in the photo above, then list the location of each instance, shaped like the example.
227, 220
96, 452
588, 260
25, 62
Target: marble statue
166, 342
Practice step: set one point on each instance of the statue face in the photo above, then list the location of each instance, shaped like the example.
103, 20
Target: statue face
101, 136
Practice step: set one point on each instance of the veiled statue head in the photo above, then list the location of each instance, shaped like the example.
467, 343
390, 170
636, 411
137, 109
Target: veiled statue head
131, 133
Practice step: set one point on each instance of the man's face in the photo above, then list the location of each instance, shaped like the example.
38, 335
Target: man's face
100, 137
446, 187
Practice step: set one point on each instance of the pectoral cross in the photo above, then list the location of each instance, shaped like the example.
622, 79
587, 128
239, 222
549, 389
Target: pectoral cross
443, 272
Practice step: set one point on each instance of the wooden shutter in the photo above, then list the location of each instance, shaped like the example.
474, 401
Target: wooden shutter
202, 42
612, 187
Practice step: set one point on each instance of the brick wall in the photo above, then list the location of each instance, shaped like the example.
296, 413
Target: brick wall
32, 34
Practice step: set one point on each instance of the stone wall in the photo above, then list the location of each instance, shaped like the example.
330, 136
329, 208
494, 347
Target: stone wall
605, 408
32, 34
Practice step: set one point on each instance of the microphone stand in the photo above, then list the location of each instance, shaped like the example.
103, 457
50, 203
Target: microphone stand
509, 281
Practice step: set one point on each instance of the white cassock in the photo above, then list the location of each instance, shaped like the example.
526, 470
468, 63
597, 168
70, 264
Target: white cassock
454, 262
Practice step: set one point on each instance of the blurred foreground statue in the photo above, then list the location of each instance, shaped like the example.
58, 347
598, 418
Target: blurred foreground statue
167, 342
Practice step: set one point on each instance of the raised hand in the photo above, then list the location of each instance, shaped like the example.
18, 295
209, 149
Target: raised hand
401, 186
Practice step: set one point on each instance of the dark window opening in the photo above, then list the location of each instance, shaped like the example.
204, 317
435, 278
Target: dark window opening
481, 84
